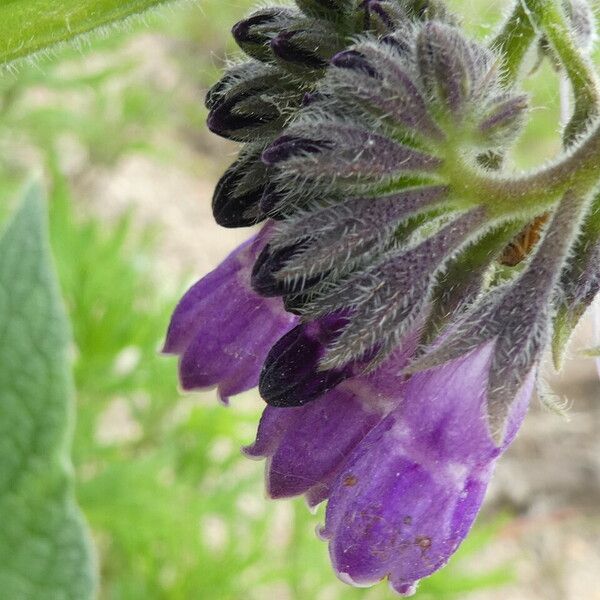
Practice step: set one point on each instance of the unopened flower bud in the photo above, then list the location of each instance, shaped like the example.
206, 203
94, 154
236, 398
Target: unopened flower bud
502, 120
251, 103
306, 49
254, 34
579, 284
385, 15
236, 201
328, 9
291, 376
453, 71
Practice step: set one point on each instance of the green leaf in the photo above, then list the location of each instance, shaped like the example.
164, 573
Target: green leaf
44, 546
29, 26
593, 352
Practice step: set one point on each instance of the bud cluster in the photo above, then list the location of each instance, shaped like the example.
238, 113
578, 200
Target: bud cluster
363, 182
288, 51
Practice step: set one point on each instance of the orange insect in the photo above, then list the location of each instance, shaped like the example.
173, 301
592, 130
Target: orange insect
519, 249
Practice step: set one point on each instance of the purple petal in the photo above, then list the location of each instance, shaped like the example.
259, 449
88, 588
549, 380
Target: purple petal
412, 488
312, 449
272, 427
222, 329
308, 445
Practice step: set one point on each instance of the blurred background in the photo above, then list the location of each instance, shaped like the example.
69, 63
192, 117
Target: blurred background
116, 127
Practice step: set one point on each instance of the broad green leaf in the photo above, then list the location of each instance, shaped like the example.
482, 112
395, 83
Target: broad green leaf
29, 26
44, 546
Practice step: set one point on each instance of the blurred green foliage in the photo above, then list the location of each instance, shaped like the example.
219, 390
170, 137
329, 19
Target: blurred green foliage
177, 513
44, 543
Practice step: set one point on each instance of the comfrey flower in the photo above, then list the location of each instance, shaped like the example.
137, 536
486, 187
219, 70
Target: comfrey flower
223, 330
409, 492
396, 306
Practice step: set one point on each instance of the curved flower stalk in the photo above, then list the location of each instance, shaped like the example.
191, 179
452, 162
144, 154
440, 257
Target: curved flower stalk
579, 284
222, 330
395, 346
515, 318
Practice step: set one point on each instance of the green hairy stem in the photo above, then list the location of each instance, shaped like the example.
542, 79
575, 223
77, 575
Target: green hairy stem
550, 17
534, 193
513, 42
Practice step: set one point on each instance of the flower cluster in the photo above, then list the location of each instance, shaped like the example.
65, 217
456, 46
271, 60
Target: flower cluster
396, 349
288, 52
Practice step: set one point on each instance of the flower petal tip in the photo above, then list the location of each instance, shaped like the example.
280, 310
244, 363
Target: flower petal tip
404, 590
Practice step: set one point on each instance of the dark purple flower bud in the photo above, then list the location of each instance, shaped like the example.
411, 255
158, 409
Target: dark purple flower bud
453, 70
337, 238
216, 92
400, 42
254, 34
503, 120
231, 355
287, 147
344, 153
409, 492
385, 15
236, 201
267, 266
244, 118
291, 374
380, 82
271, 199
308, 49
249, 104
352, 59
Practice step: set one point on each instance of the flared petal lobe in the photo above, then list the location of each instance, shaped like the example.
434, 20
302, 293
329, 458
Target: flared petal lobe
222, 330
410, 491
307, 446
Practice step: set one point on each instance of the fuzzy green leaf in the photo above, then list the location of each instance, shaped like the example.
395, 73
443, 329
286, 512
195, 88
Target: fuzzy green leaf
44, 547
30, 26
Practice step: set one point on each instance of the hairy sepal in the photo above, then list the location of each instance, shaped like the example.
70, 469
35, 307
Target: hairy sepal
251, 102
236, 201
254, 33
515, 316
344, 236
388, 298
